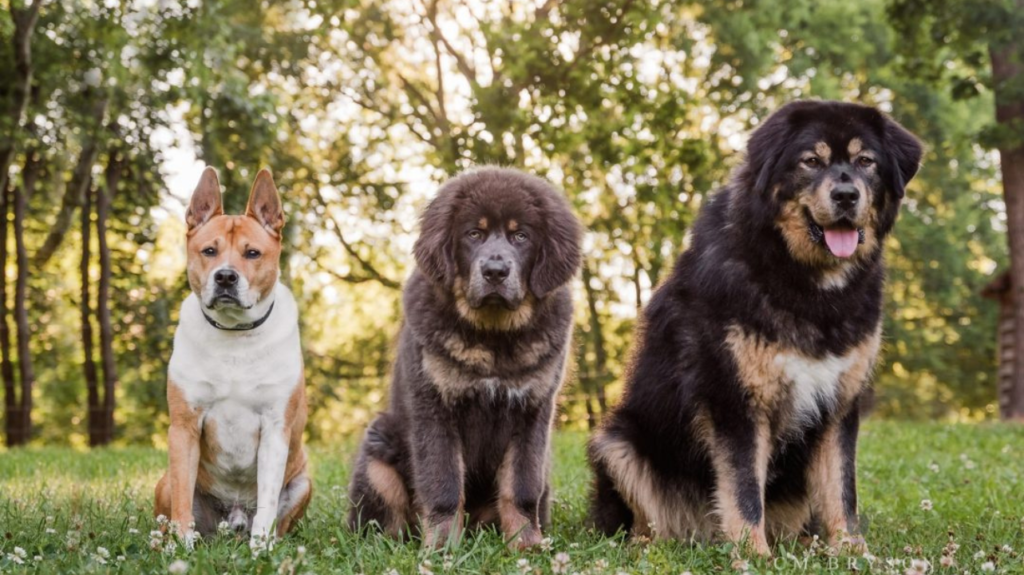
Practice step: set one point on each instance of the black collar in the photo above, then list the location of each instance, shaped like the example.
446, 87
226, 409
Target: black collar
241, 326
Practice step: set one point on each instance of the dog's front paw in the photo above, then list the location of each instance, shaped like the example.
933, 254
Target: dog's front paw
437, 534
262, 536
527, 538
848, 544
261, 543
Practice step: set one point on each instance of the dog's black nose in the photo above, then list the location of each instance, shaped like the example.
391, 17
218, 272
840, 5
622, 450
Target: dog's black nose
845, 196
495, 270
226, 278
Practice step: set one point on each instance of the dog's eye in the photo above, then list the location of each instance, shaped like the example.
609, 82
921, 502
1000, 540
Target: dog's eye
252, 254
475, 234
519, 237
865, 161
812, 162
210, 252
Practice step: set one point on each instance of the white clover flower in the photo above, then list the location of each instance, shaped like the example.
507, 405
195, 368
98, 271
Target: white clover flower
1007, 549
178, 567
391, 572
947, 561
545, 544
926, 504
979, 555
121, 558
600, 564
988, 566
560, 564
161, 519
934, 467
741, 565
424, 568
102, 552
523, 565
20, 552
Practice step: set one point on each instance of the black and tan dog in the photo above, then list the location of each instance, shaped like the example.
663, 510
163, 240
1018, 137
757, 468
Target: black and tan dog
740, 413
481, 358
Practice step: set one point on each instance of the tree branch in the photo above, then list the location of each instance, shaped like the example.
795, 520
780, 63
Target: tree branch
367, 267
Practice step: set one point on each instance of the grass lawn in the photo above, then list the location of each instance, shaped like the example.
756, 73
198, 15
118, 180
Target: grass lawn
922, 486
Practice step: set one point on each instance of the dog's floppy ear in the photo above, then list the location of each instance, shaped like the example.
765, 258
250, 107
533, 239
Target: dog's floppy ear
765, 149
434, 248
558, 258
265, 203
206, 202
905, 152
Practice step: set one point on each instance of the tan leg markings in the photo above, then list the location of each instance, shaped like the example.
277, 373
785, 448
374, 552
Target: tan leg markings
733, 525
388, 484
183, 451
521, 530
162, 497
825, 478
657, 514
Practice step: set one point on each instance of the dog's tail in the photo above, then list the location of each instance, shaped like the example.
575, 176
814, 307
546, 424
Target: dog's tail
609, 512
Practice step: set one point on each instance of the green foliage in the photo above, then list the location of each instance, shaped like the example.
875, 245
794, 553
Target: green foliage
638, 110
64, 506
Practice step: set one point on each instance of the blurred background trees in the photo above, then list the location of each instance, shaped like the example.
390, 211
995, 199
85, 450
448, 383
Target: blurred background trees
638, 110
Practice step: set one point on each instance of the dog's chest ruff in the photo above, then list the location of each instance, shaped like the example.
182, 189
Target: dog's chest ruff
241, 386
464, 370
782, 379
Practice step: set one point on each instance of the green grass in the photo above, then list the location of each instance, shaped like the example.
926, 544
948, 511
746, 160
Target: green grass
62, 505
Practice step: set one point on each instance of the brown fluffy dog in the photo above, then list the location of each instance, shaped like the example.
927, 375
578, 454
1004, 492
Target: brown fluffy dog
481, 358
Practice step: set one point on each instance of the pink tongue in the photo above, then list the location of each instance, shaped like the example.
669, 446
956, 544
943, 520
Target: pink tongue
841, 243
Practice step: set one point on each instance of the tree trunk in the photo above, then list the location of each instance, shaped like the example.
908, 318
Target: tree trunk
24, 24
6, 365
19, 427
24, 20
599, 374
1008, 80
89, 362
104, 198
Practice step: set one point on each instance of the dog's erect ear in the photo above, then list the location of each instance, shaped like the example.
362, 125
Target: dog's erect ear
905, 152
435, 248
559, 256
265, 203
206, 202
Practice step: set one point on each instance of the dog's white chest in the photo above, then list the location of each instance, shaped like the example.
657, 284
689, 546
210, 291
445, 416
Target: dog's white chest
241, 382
814, 382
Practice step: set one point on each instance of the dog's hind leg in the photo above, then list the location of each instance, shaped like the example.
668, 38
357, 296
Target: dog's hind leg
379, 493
162, 497
609, 513
294, 498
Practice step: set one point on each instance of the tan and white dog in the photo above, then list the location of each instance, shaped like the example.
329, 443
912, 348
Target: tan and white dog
235, 390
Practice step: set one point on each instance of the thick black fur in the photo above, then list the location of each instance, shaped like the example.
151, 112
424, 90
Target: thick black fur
447, 430
739, 271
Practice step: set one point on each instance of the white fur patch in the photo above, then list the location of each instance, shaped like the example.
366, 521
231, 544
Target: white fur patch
815, 382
